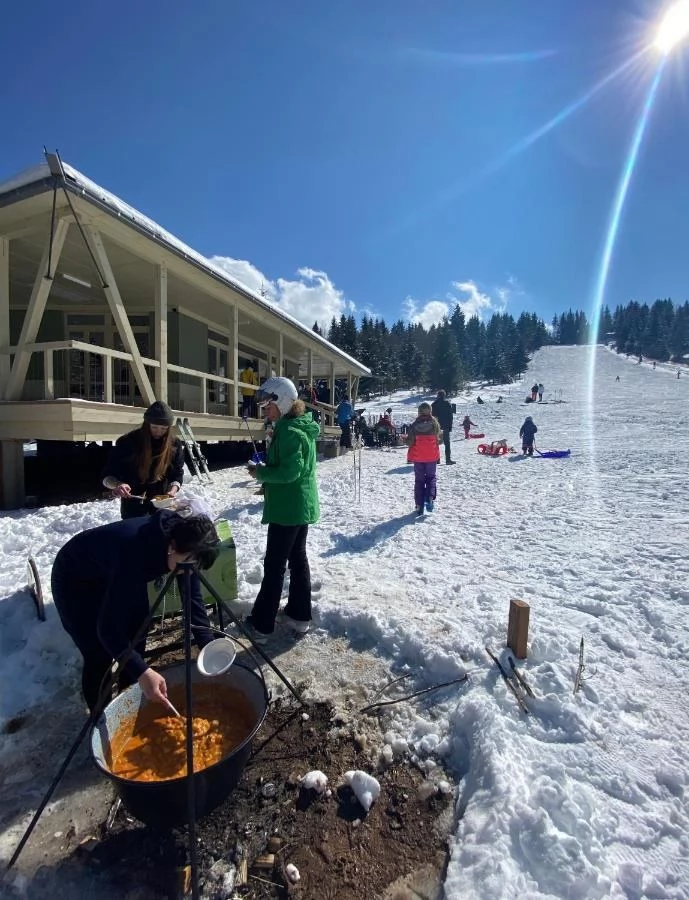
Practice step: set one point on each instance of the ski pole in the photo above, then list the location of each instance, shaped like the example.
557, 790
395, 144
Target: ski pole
253, 442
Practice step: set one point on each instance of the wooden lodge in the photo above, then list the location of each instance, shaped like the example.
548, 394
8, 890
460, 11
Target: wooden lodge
102, 311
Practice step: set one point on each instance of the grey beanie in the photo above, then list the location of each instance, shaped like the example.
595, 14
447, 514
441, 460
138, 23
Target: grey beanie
159, 413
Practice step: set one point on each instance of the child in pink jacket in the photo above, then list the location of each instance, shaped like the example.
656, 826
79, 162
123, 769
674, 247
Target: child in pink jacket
423, 438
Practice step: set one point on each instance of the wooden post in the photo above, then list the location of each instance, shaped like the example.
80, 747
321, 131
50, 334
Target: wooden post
4, 312
34, 311
160, 305
518, 628
233, 360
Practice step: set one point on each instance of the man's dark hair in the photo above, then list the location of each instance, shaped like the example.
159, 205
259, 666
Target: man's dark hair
196, 535
441, 395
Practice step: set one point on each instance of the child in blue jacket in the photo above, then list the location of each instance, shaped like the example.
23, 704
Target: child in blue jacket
527, 433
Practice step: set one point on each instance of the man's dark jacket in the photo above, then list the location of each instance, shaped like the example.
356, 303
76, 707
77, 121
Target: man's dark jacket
442, 410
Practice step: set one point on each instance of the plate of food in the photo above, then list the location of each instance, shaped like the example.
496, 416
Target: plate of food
163, 501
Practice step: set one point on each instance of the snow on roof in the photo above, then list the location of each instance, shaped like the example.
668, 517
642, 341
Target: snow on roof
94, 192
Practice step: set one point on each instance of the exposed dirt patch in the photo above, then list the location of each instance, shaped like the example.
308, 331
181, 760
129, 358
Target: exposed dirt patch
269, 821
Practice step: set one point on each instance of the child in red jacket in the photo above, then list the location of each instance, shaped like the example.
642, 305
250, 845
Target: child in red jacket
423, 438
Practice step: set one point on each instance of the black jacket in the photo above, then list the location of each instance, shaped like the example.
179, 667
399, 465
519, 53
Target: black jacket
123, 466
100, 586
442, 410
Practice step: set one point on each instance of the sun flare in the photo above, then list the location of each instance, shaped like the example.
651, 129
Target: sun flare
674, 27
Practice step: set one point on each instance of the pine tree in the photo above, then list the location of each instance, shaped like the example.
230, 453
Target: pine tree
444, 370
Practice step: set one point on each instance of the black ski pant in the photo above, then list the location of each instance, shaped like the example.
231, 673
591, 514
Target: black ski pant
346, 436
446, 444
286, 546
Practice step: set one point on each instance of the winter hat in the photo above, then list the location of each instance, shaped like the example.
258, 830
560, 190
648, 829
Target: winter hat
159, 413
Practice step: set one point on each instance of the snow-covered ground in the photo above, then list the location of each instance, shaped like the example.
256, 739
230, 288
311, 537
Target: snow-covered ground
586, 797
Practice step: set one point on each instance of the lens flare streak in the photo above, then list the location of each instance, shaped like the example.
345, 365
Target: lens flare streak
613, 228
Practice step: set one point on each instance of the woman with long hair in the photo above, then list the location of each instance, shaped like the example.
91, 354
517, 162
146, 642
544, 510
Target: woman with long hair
146, 463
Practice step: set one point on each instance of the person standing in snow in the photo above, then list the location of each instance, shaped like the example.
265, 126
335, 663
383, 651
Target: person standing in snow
540, 393
534, 392
423, 438
343, 416
146, 462
442, 410
527, 433
100, 582
466, 425
291, 504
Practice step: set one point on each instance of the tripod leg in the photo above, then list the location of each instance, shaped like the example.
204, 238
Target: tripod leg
191, 786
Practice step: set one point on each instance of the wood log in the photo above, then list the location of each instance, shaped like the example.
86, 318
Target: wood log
518, 628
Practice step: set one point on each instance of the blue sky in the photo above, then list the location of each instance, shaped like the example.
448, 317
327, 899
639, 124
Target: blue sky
370, 156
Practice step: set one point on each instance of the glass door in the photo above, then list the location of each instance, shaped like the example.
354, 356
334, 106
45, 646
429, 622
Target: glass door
86, 376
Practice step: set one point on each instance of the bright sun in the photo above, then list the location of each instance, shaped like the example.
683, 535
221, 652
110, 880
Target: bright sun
674, 27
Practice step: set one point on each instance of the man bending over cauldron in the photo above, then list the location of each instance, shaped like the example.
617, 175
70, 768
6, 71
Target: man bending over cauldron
100, 588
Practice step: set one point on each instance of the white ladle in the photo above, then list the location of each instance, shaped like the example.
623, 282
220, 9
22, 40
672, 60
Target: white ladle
216, 657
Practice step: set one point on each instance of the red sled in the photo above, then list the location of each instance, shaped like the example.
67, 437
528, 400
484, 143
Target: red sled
476, 435
487, 450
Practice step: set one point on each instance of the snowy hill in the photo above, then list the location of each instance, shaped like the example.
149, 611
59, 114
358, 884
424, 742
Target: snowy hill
585, 796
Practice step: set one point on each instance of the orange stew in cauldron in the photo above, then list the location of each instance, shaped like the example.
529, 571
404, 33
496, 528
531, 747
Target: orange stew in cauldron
151, 745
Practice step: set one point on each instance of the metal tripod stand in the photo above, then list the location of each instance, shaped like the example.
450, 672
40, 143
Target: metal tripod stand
186, 569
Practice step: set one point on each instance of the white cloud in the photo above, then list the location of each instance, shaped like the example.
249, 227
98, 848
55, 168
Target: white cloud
431, 313
242, 270
475, 302
471, 299
311, 297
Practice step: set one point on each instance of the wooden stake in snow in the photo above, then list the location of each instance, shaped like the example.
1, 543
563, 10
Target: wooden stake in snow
518, 628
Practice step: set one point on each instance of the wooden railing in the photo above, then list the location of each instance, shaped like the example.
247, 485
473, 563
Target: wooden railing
48, 349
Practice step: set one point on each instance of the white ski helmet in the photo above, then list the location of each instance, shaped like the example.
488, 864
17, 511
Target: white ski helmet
277, 390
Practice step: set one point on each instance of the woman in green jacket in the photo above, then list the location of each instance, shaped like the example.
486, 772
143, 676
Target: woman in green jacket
290, 506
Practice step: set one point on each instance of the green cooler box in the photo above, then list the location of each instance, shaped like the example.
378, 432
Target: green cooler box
222, 575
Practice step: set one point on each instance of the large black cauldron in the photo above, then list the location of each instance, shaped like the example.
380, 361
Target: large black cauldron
164, 803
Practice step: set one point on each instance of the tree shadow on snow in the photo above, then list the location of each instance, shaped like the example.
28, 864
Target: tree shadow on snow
347, 543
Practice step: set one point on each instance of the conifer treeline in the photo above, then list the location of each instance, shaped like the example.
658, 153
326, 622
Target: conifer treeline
457, 350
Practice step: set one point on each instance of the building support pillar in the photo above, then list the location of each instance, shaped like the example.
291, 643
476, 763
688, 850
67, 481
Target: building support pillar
119, 314
35, 310
4, 313
233, 358
161, 331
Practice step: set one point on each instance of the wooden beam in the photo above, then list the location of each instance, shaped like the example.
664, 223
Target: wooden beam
107, 380
32, 224
48, 375
119, 314
309, 366
518, 628
35, 310
233, 359
4, 312
281, 360
160, 351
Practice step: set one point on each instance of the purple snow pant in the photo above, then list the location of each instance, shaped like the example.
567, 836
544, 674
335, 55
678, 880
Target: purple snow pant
424, 482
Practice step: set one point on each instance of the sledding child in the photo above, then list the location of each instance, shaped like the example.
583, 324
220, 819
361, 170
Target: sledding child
423, 439
527, 433
466, 425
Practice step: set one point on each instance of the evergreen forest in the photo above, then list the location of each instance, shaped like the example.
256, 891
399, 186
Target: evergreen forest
457, 350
